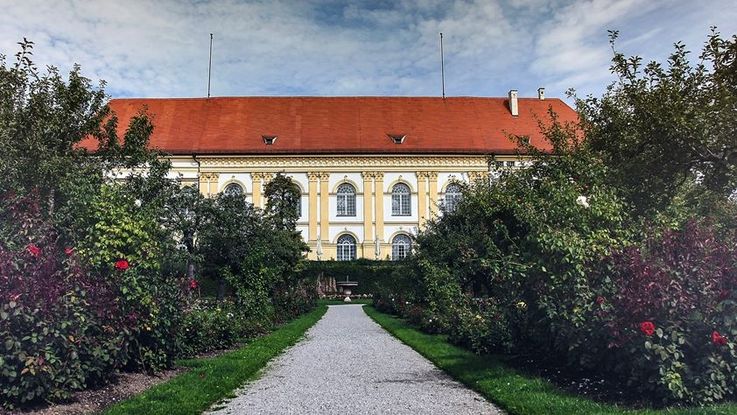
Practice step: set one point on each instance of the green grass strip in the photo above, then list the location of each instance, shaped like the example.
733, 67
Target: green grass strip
211, 379
516, 393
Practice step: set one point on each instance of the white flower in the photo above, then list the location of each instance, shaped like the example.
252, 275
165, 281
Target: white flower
582, 201
137, 202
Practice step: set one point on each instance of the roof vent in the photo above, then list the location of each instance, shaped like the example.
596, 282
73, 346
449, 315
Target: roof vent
397, 138
269, 139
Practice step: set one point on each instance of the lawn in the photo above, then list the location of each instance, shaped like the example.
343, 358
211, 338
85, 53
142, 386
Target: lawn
517, 394
209, 380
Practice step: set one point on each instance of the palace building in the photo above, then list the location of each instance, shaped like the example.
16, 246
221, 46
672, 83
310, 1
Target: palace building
371, 170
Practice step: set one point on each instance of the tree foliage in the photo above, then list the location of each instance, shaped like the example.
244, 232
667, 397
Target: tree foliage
283, 201
660, 127
96, 237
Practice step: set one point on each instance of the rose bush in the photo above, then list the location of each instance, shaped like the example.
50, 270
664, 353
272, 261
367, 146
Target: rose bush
100, 259
526, 265
60, 325
209, 326
681, 283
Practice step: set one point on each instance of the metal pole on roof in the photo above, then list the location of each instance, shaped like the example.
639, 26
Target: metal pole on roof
442, 64
209, 68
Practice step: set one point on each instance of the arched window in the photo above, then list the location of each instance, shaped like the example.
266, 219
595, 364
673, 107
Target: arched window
401, 200
453, 196
346, 248
401, 244
233, 189
346, 200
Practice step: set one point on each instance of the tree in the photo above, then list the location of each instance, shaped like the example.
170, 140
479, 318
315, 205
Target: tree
42, 120
47, 125
283, 201
186, 213
230, 237
662, 128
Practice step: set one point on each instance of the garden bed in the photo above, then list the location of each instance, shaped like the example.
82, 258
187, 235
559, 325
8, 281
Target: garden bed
517, 392
211, 380
95, 400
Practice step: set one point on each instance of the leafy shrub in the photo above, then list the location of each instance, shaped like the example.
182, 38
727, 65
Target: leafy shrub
96, 273
151, 300
60, 326
533, 270
294, 299
396, 291
210, 326
371, 275
482, 326
672, 315
547, 260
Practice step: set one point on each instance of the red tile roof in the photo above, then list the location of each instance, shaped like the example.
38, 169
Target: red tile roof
310, 125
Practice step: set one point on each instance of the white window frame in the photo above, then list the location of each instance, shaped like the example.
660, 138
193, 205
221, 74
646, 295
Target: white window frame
345, 248
227, 189
345, 197
401, 246
453, 196
401, 200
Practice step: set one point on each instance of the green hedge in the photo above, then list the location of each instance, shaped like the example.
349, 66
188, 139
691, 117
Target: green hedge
370, 274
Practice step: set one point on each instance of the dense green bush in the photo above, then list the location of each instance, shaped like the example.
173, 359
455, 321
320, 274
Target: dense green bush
257, 254
549, 261
371, 275
482, 326
124, 232
211, 326
101, 255
61, 328
671, 316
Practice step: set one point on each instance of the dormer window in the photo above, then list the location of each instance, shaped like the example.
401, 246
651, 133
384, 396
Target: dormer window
269, 139
397, 138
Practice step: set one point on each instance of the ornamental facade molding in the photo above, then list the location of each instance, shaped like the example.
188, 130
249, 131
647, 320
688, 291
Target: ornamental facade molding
262, 176
478, 175
307, 162
369, 175
313, 176
209, 176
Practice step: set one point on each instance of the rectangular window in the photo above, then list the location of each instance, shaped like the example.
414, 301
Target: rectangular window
346, 205
401, 205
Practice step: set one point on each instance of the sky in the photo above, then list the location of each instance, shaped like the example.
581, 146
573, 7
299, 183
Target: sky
339, 48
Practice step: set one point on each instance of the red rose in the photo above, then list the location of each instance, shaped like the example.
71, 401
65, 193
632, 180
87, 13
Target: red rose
647, 327
718, 339
122, 264
69, 251
33, 250
193, 284
600, 300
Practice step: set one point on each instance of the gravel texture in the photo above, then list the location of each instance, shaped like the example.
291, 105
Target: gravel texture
348, 364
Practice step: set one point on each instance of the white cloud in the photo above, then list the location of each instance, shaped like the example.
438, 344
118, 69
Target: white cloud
572, 46
160, 48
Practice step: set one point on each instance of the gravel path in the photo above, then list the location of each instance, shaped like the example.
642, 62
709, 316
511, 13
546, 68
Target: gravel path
348, 364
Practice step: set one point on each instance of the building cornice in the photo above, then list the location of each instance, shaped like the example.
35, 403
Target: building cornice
301, 163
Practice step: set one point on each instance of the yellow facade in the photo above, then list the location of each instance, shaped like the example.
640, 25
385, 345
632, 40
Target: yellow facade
375, 222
